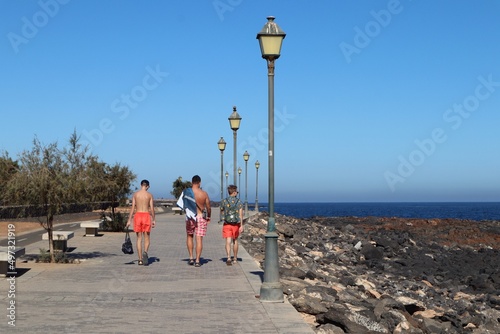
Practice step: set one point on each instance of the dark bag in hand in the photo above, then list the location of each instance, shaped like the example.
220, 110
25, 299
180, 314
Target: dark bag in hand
127, 245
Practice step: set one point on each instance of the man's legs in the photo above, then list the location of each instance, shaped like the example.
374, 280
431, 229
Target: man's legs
189, 244
235, 249
146, 247
139, 244
199, 247
146, 241
228, 248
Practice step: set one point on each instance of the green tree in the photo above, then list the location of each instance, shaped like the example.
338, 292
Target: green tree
40, 185
47, 179
117, 180
8, 168
93, 180
178, 186
78, 164
96, 185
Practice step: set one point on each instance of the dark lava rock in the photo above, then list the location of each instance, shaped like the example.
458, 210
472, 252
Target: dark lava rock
387, 275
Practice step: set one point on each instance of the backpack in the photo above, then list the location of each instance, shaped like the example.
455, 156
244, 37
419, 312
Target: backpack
231, 212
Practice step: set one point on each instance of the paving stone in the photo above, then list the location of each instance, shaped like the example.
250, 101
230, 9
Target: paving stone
109, 293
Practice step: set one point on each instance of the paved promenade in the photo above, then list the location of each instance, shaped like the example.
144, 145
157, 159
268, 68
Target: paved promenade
108, 292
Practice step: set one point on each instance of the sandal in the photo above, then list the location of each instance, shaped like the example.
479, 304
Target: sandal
140, 263
191, 262
197, 264
229, 262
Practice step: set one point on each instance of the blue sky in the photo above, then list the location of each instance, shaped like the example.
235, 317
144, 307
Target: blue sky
375, 101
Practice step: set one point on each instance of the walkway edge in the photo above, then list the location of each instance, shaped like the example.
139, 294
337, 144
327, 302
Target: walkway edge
284, 316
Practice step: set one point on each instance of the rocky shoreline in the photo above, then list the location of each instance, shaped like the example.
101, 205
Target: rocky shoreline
387, 275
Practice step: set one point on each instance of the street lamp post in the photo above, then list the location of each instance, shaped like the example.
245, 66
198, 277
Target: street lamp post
222, 146
234, 123
239, 181
246, 156
270, 40
257, 165
227, 176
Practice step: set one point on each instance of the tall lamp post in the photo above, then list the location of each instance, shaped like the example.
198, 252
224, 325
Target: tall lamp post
239, 181
222, 146
257, 165
246, 156
234, 123
270, 40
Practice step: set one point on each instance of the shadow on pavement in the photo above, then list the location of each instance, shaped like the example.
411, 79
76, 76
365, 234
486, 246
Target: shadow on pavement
19, 272
258, 273
70, 255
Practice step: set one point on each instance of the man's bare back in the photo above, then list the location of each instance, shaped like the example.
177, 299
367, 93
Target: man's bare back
202, 201
143, 201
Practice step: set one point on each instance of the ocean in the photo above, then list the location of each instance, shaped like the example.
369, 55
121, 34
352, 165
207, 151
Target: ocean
459, 210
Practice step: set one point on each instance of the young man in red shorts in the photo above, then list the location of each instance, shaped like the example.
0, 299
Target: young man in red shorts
144, 219
232, 211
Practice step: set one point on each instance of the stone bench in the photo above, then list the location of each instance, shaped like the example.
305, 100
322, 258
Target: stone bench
60, 239
7, 266
176, 209
91, 227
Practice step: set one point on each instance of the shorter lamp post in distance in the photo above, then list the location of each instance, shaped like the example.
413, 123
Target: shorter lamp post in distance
222, 146
246, 156
239, 181
257, 165
227, 177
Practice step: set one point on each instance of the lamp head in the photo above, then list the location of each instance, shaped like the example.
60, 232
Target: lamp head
270, 39
222, 144
234, 120
246, 156
257, 164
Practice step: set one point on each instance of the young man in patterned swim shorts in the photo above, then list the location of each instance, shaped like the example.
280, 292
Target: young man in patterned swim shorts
144, 219
197, 226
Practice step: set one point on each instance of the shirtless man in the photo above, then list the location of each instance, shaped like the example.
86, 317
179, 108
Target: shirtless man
144, 219
197, 226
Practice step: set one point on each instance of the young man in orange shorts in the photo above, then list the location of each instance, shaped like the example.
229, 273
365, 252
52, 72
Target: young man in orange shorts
232, 212
144, 219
